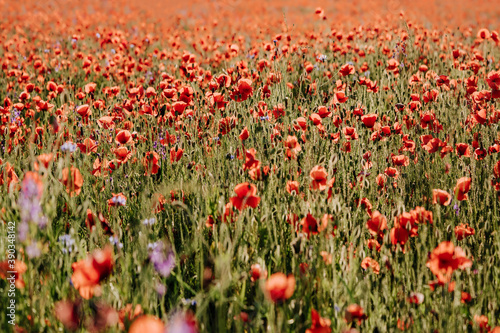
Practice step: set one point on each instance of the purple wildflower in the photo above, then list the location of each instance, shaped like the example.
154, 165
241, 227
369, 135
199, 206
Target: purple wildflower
115, 241
33, 251
68, 146
161, 289
149, 222
67, 242
31, 209
162, 258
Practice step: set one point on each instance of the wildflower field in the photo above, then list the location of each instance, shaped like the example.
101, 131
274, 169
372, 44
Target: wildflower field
249, 166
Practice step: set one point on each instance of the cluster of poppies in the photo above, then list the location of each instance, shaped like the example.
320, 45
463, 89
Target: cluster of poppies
300, 168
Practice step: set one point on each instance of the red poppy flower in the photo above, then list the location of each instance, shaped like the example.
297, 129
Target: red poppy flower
88, 146
350, 133
89, 272
256, 273
462, 187
319, 176
310, 225
463, 231
69, 314
73, 180
445, 259
280, 287
84, 110
250, 161
369, 120
245, 196
355, 312
369, 262
441, 197
346, 70
392, 172
19, 269
292, 187
463, 149
122, 154
340, 97
176, 154
10, 175
151, 163
377, 224
147, 323
123, 137
292, 146
244, 134
318, 324
400, 160
399, 235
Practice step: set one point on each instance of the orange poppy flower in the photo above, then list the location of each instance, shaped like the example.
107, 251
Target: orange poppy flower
462, 187
441, 197
400, 160
445, 259
84, 110
245, 196
158, 203
128, 313
19, 267
45, 159
420, 215
318, 324
123, 137
462, 149
355, 312
319, 176
147, 323
377, 224
73, 180
256, 273
88, 146
340, 97
369, 262
122, 154
310, 225
292, 147
350, 133
176, 154
292, 187
151, 163
280, 287
89, 272
69, 314
106, 122
11, 176
463, 231
244, 134
392, 172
